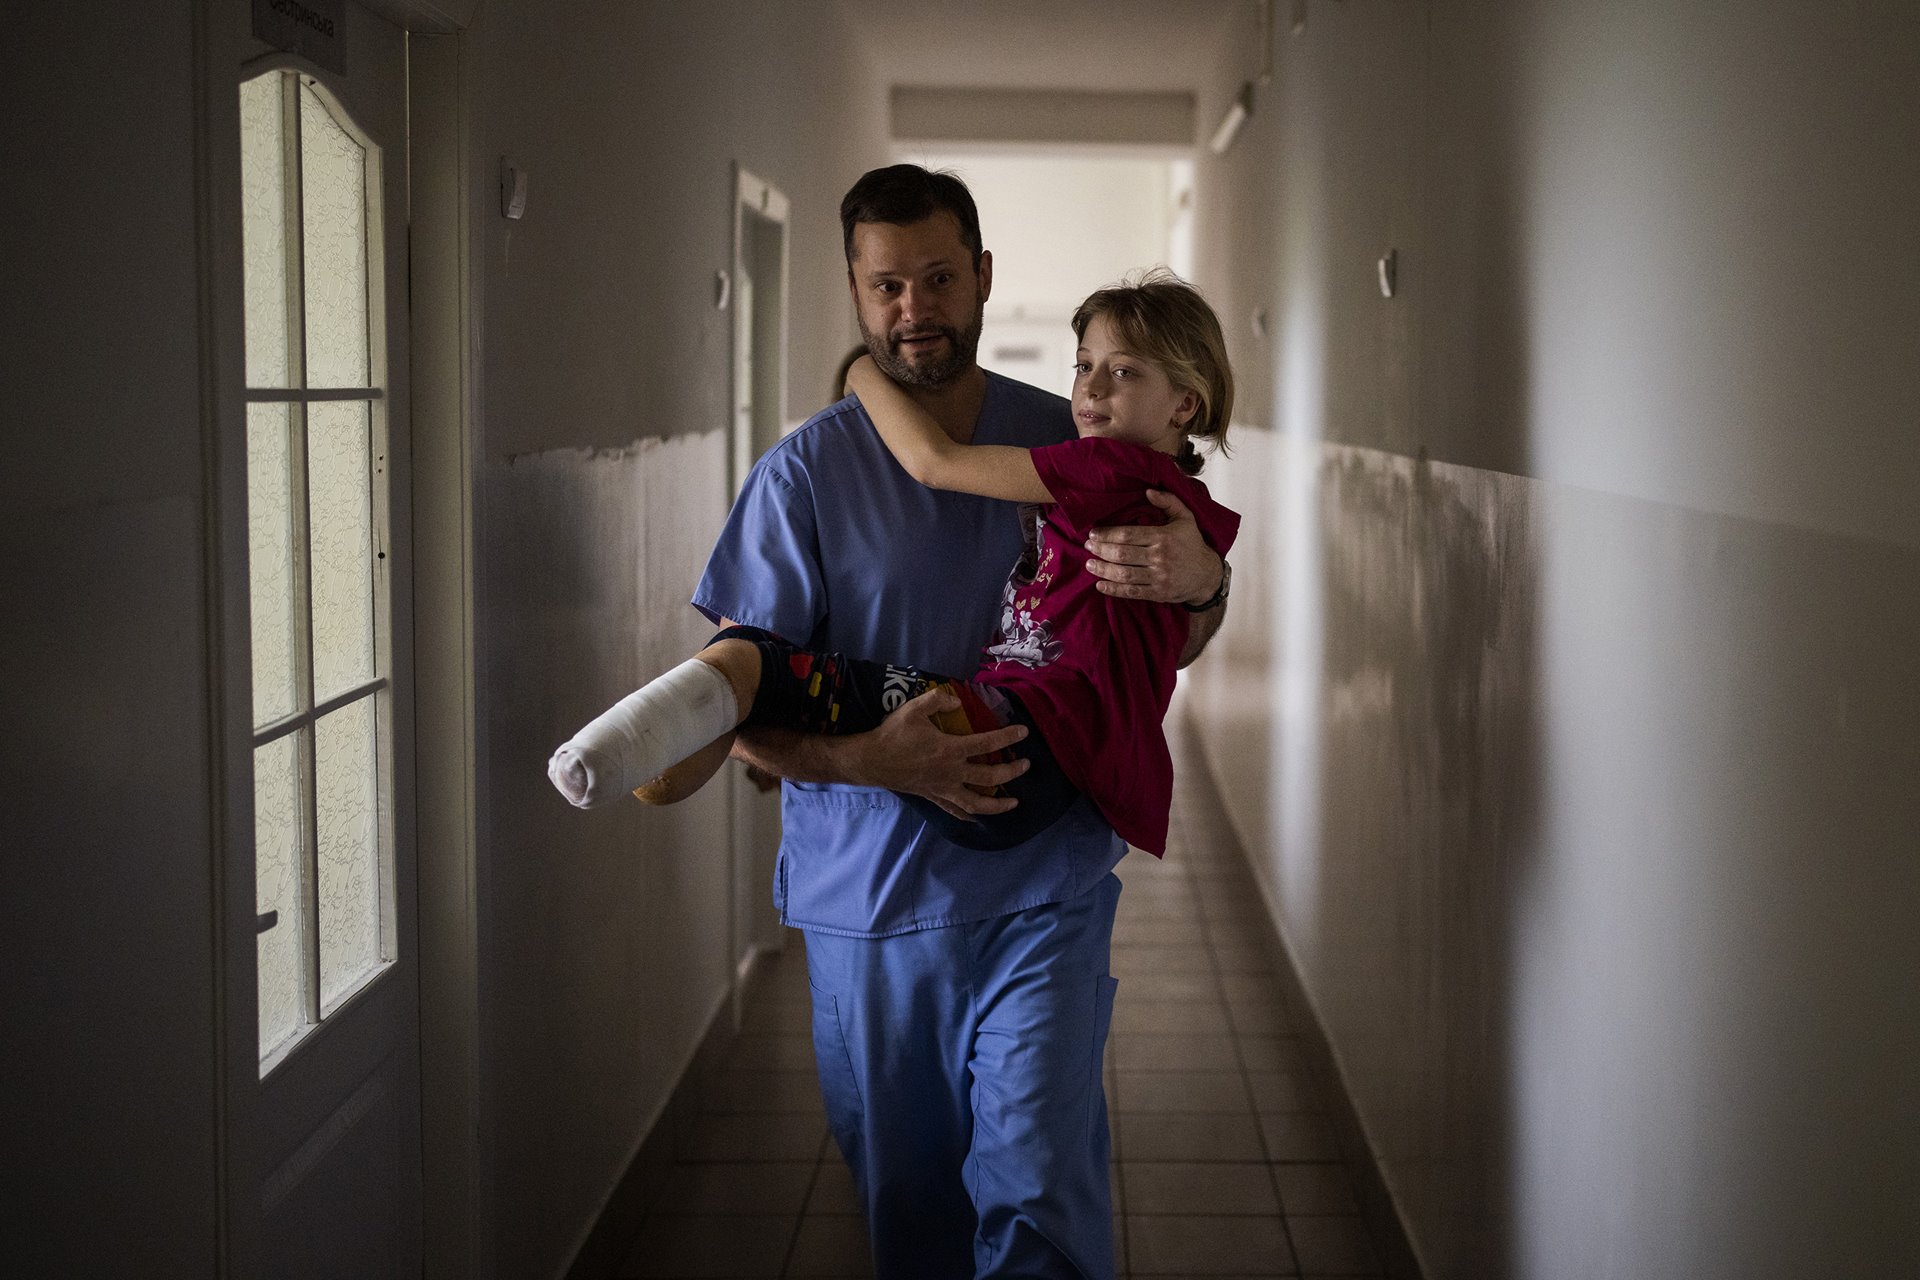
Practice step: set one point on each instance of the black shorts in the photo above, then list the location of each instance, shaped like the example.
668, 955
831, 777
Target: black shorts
812, 691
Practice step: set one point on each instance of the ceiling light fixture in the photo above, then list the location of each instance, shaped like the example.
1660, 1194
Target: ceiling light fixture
1242, 105
1230, 123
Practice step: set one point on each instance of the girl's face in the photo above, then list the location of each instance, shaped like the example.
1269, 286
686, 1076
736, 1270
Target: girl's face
1123, 397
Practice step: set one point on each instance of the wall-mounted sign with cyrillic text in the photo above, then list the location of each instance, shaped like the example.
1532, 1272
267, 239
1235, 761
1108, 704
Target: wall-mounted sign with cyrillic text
314, 29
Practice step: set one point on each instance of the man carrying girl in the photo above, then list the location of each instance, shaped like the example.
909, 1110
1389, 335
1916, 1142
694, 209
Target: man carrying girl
961, 996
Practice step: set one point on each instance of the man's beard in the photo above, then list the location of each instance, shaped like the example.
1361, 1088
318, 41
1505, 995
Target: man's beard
963, 348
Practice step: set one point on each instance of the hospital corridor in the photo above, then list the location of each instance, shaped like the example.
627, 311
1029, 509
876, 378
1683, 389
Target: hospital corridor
395, 387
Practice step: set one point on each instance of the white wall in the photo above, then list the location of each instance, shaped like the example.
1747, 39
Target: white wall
604, 415
1569, 702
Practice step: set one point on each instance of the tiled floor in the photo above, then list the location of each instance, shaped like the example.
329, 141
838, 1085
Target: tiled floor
1223, 1164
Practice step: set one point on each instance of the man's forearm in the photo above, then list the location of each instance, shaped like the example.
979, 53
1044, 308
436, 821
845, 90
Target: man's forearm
1200, 629
799, 757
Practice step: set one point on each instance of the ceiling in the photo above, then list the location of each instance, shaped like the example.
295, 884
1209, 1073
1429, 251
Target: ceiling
1106, 45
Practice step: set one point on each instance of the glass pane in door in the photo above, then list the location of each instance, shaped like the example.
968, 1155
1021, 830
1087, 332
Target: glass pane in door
333, 186
270, 576
348, 796
277, 825
339, 493
263, 176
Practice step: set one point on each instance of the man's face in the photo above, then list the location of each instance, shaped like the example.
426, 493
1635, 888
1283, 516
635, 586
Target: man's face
918, 298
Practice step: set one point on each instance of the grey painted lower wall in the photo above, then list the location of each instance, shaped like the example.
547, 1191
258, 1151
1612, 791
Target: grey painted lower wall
607, 952
1589, 822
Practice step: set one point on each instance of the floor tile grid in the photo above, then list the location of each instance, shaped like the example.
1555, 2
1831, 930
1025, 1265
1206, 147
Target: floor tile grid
1210, 925
1183, 855
1333, 1241
1164, 892
829, 1224
1138, 875
1177, 1240
717, 1216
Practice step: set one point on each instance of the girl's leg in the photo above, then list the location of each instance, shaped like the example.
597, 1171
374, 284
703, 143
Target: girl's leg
814, 692
663, 741
1043, 791
739, 661
805, 690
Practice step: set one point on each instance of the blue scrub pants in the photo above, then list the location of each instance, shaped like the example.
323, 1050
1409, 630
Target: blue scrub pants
961, 1068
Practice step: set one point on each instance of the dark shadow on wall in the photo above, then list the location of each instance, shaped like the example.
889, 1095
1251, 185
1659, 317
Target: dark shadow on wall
1429, 751
1429, 782
1414, 733
1397, 132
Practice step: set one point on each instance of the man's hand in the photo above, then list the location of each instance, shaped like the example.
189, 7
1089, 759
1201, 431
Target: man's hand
1167, 563
908, 753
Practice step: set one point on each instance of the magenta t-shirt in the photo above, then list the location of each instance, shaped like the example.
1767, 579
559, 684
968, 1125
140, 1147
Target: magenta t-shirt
1096, 672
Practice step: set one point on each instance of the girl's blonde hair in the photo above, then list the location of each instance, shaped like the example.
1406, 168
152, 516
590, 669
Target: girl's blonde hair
1160, 317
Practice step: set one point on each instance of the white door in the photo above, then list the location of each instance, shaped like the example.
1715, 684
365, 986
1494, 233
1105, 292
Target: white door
323, 168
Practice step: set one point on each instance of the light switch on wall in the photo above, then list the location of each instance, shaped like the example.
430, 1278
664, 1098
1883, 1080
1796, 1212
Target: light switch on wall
513, 191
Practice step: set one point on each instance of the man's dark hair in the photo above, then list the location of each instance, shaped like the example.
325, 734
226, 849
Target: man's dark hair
905, 193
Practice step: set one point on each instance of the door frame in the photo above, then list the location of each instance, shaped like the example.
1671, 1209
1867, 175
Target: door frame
754, 195
448, 205
219, 48
337, 1064
751, 812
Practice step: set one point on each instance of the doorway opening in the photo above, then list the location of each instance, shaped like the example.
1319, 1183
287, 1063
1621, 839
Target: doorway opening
760, 214
760, 266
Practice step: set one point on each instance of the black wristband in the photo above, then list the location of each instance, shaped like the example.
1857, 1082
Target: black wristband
1219, 597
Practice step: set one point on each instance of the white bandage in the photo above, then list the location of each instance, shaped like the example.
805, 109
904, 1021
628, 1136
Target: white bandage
639, 737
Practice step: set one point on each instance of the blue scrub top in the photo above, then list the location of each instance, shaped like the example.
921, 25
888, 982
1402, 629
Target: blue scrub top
833, 545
